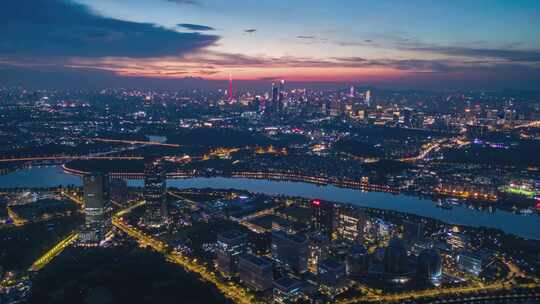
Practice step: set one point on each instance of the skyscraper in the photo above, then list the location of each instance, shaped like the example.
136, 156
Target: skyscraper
413, 231
429, 266
319, 249
350, 224
275, 93
155, 191
281, 97
395, 257
357, 260
96, 204
230, 87
368, 98
323, 217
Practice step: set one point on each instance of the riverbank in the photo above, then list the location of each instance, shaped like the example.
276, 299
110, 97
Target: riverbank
520, 225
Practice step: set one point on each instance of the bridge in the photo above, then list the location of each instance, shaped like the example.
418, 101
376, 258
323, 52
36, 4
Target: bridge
74, 198
53, 158
532, 124
53, 252
135, 142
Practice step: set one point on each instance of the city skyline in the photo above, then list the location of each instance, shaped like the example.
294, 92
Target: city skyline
251, 152
480, 45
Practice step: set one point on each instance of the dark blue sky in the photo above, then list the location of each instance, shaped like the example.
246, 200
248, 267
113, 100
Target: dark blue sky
418, 43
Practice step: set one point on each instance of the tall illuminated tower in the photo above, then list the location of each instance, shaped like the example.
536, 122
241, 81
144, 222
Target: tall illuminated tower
275, 93
368, 98
96, 202
155, 191
281, 105
230, 87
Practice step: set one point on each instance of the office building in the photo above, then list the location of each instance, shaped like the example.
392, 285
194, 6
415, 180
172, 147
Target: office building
413, 231
384, 229
96, 209
255, 272
429, 266
155, 192
230, 246
290, 251
323, 217
332, 277
351, 224
458, 241
287, 291
367, 98
357, 261
395, 257
319, 249
118, 191
471, 262
278, 96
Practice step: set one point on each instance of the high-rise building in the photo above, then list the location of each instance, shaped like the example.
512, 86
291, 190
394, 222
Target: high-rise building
323, 217
458, 241
118, 191
413, 231
287, 290
384, 229
471, 262
350, 224
407, 117
155, 192
230, 87
319, 249
429, 266
332, 277
335, 107
230, 246
290, 251
282, 93
395, 257
357, 261
368, 98
255, 272
96, 209
275, 98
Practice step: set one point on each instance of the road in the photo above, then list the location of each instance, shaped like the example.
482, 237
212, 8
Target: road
430, 147
229, 289
439, 292
17, 220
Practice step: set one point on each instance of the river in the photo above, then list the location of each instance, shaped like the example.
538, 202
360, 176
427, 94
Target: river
524, 226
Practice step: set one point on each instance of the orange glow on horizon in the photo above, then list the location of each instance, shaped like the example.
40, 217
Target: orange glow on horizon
214, 69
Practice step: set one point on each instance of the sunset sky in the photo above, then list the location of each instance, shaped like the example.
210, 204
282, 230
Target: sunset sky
474, 44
